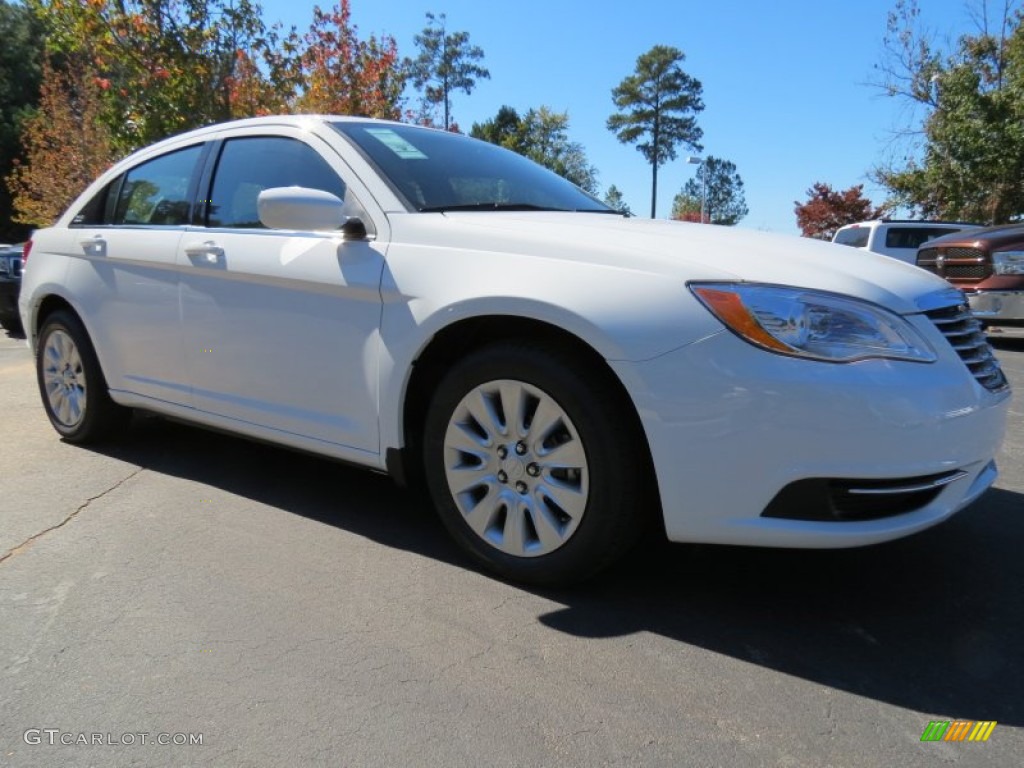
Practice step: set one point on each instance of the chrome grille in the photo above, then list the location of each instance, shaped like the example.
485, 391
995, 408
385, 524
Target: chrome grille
966, 335
964, 253
955, 263
967, 271
930, 254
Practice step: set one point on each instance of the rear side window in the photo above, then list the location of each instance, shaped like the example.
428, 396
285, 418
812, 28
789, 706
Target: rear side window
156, 193
856, 237
249, 165
913, 237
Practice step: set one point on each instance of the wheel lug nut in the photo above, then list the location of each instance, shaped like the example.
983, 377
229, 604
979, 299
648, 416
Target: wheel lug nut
533, 470
520, 447
502, 477
502, 451
521, 487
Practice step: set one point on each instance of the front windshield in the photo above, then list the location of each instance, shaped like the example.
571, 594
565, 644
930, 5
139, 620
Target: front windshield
437, 171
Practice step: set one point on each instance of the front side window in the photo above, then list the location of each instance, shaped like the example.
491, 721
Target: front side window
249, 165
156, 193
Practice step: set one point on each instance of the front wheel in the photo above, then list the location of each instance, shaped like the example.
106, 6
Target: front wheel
71, 382
533, 464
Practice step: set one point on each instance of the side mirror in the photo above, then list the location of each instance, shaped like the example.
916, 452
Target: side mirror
300, 208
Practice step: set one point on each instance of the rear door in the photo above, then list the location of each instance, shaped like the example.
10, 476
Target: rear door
125, 277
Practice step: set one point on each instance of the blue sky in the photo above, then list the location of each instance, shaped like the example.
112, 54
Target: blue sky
785, 83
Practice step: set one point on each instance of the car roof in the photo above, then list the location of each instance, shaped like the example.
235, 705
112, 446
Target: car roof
290, 121
919, 222
293, 121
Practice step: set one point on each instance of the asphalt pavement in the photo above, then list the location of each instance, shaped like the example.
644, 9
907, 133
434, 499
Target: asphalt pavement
250, 606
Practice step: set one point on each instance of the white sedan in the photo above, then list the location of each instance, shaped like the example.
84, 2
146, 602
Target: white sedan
558, 375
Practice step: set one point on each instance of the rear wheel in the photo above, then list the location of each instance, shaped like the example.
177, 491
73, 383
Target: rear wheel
71, 383
533, 465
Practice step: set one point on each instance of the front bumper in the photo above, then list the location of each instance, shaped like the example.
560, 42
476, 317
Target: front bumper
997, 305
731, 426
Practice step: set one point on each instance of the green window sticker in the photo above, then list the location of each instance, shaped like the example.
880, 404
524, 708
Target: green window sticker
396, 143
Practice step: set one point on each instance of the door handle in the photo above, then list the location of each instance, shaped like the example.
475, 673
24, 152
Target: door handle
94, 246
207, 252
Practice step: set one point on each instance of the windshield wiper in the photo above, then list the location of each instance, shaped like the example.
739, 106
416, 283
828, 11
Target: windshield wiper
487, 207
506, 207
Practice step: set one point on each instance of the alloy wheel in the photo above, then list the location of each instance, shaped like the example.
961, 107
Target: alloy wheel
64, 379
516, 468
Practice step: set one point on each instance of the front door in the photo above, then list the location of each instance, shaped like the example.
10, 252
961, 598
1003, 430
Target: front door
280, 328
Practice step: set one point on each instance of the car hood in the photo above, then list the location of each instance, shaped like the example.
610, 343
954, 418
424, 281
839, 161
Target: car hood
678, 250
994, 237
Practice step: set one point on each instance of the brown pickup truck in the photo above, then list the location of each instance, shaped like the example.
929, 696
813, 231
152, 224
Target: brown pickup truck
987, 265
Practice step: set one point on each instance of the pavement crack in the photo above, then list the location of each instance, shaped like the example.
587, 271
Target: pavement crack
35, 537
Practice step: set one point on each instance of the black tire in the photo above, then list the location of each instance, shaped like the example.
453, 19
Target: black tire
71, 383
611, 487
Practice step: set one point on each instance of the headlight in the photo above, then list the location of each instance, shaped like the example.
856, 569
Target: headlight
812, 324
1008, 262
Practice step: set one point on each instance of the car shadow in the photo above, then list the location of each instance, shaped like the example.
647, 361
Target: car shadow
932, 623
344, 496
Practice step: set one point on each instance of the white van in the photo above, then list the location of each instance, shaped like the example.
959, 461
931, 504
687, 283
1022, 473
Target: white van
897, 238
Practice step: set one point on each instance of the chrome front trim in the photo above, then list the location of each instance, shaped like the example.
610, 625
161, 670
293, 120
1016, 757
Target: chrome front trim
929, 485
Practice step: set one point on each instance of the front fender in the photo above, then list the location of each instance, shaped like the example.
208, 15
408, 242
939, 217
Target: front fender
624, 314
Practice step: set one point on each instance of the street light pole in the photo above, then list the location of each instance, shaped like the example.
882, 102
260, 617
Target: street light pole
693, 160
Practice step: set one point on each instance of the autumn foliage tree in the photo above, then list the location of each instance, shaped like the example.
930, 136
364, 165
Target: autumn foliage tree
147, 69
252, 94
826, 210
21, 59
687, 208
66, 145
345, 75
165, 66
125, 73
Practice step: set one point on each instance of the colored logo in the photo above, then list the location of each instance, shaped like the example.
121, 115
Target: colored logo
958, 730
